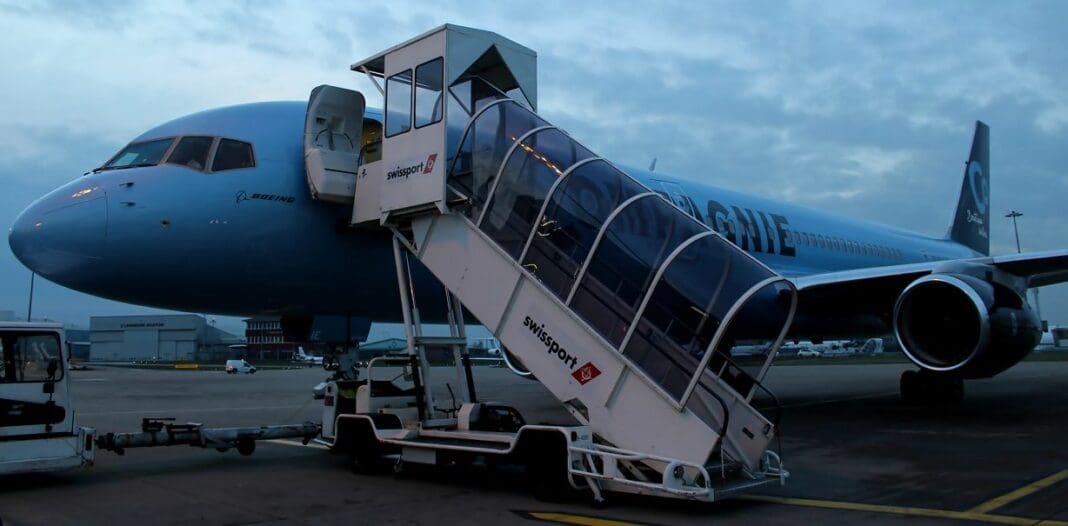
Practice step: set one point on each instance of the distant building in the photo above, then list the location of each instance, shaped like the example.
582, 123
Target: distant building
266, 339
7, 315
178, 337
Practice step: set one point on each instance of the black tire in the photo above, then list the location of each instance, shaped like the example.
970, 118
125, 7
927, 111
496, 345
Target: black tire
911, 388
246, 446
930, 389
363, 449
547, 471
946, 390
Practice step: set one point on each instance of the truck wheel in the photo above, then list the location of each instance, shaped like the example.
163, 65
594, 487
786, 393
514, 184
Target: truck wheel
364, 459
547, 470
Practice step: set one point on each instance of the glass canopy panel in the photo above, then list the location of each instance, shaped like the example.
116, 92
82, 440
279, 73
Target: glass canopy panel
681, 317
578, 207
487, 140
687, 306
745, 350
528, 174
622, 266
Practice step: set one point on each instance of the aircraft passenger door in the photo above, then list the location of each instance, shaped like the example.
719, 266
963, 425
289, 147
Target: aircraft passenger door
332, 135
673, 192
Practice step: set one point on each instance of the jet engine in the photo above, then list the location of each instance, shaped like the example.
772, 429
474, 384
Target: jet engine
964, 326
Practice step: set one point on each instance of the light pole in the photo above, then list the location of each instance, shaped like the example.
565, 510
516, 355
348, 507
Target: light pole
29, 309
1013, 214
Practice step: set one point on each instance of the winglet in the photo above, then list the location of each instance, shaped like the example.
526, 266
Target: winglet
971, 224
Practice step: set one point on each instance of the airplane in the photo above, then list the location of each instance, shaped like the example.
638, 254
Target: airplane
301, 357
211, 212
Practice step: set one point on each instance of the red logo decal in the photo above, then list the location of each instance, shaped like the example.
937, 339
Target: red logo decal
430, 163
586, 373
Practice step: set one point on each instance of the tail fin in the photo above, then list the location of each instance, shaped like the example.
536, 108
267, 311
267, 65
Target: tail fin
971, 223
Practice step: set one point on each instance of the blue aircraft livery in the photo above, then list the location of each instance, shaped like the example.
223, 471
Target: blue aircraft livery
211, 213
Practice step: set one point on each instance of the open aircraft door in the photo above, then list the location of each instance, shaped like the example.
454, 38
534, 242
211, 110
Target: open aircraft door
332, 136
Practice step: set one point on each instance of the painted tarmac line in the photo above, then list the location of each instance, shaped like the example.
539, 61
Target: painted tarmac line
287, 442
568, 518
181, 410
1012, 496
905, 510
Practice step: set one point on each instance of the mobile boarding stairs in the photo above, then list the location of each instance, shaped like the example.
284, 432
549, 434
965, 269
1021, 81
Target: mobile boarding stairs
621, 304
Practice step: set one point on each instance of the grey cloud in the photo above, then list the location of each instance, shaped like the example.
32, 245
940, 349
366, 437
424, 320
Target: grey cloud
865, 108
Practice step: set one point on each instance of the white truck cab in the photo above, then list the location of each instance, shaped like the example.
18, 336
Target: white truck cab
37, 426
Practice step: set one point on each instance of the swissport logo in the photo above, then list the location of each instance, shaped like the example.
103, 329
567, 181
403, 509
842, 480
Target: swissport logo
412, 167
583, 374
586, 373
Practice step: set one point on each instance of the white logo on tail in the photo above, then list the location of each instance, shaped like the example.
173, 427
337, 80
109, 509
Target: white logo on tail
979, 186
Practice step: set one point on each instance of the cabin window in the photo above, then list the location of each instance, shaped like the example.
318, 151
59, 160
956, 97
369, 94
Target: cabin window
233, 155
399, 103
191, 152
147, 153
429, 79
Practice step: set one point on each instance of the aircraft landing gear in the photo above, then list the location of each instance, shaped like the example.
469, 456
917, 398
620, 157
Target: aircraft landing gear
927, 388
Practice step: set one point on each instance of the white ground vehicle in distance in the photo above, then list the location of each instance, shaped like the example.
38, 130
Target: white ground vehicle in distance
239, 366
37, 429
808, 353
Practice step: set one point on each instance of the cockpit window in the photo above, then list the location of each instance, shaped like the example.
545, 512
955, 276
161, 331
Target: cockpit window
191, 152
147, 153
231, 155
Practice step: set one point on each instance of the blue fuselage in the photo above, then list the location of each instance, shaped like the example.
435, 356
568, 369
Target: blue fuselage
253, 241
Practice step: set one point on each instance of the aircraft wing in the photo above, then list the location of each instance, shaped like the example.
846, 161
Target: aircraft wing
1040, 268
872, 284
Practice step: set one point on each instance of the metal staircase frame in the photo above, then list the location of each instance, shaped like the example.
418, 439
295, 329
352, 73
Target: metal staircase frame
590, 455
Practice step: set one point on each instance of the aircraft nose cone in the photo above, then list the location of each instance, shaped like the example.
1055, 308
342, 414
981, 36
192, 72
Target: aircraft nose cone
60, 238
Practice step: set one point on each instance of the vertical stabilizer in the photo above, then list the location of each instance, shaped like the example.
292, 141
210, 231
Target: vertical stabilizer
971, 222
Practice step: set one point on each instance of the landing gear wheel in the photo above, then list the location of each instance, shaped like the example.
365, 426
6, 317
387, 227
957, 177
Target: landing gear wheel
246, 446
911, 391
947, 390
925, 388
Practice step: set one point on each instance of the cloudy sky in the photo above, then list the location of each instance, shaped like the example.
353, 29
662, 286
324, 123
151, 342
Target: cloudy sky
864, 108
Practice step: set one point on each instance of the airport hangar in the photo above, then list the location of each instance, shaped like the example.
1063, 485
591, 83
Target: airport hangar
179, 337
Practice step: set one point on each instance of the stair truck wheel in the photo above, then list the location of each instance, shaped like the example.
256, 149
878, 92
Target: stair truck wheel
546, 457
357, 437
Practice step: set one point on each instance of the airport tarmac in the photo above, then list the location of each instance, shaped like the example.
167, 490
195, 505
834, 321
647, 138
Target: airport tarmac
856, 454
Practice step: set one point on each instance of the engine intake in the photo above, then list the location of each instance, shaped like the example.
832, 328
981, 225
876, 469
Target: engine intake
964, 325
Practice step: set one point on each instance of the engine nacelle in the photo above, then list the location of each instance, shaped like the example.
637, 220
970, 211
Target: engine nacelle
964, 325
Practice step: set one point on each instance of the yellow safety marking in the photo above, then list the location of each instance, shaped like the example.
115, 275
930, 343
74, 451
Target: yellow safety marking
582, 520
1011, 496
905, 510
